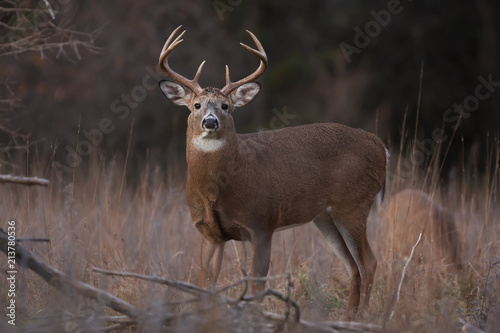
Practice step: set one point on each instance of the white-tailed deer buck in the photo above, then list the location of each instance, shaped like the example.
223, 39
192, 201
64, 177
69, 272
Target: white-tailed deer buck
247, 186
410, 212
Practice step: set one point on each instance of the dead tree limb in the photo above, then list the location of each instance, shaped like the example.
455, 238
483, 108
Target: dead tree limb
63, 282
23, 180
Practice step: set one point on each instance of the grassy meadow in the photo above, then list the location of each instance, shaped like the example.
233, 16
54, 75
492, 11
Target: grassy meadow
99, 218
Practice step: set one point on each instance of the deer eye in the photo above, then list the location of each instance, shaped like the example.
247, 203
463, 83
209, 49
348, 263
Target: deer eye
224, 106
197, 106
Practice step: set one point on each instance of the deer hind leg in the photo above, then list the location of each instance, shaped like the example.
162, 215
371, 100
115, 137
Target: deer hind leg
348, 241
353, 231
333, 237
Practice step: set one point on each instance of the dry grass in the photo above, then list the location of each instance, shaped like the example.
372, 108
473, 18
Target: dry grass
148, 230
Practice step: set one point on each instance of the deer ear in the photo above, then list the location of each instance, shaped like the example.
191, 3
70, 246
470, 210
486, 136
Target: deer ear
177, 93
244, 94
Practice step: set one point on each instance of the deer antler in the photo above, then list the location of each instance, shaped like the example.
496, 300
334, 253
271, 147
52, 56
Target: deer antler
231, 86
163, 61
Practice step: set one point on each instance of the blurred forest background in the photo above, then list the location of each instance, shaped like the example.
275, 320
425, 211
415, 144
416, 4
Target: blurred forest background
97, 60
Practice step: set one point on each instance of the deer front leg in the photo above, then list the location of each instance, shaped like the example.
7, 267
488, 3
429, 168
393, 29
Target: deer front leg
211, 260
261, 248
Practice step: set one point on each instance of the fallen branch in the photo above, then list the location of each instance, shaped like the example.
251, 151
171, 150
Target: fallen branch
63, 282
23, 180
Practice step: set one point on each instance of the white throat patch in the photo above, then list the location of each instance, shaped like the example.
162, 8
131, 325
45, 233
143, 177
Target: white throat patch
205, 144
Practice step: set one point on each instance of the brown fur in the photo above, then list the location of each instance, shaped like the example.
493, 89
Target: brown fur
262, 181
409, 212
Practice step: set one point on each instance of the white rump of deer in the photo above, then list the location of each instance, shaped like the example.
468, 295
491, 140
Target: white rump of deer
247, 186
410, 212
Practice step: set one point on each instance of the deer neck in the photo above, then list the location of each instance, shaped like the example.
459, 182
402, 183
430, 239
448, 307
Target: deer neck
210, 163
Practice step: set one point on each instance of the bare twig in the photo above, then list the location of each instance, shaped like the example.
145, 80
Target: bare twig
403, 274
23, 180
49, 8
184, 286
27, 32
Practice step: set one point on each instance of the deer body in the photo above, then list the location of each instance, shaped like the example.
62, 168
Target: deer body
247, 186
277, 191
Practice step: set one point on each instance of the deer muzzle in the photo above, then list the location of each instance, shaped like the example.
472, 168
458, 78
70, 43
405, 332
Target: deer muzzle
210, 123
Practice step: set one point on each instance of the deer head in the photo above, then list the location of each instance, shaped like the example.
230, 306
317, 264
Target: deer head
210, 119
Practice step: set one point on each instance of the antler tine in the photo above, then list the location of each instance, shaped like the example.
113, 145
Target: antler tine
262, 53
163, 61
231, 86
176, 41
198, 72
228, 81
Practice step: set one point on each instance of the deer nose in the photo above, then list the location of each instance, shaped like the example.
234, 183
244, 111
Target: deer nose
210, 123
